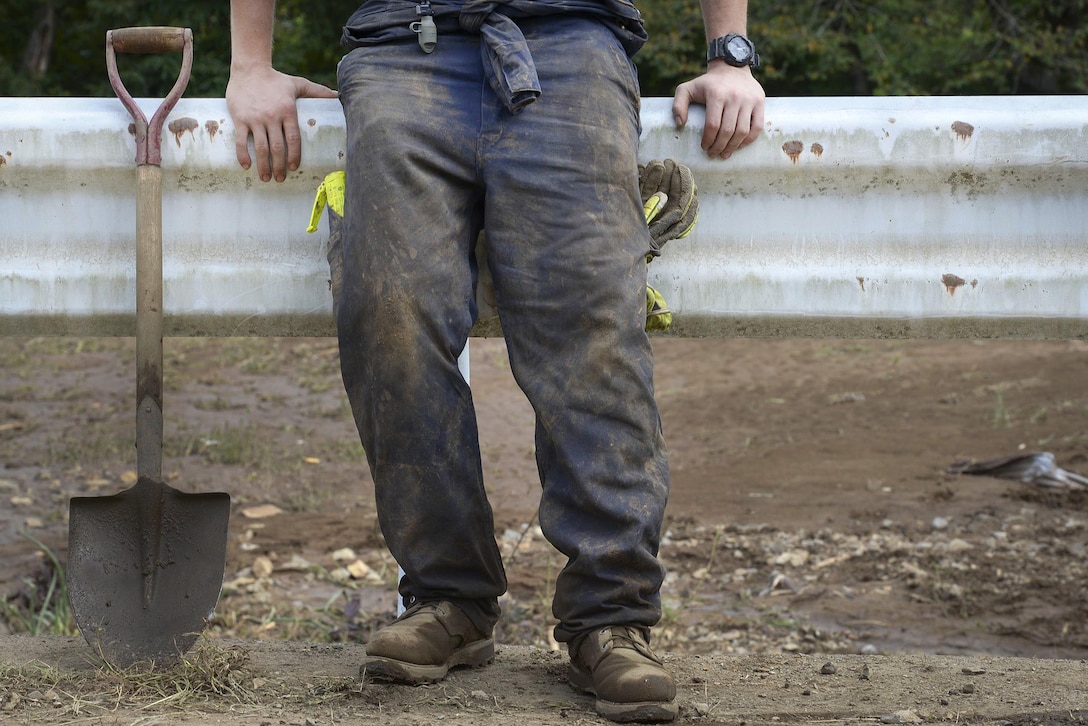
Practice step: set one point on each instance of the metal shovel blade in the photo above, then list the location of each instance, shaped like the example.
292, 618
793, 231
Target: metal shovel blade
145, 568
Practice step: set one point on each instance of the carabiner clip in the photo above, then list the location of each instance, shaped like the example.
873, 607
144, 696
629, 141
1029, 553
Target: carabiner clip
425, 27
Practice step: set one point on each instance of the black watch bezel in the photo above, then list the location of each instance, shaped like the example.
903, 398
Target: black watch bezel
719, 48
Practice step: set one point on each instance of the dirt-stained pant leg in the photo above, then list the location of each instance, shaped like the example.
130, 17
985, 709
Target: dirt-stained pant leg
566, 245
431, 153
412, 214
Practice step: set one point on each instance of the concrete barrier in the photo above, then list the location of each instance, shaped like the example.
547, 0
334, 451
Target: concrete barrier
856, 217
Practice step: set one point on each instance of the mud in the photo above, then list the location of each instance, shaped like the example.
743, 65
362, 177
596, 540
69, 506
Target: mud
811, 513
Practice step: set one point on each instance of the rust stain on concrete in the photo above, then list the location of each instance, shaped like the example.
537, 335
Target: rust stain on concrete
793, 149
212, 127
951, 282
963, 130
180, 125
817, 149
311, 122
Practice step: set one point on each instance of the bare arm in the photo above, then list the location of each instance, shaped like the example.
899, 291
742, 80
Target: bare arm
732, 96
261, 100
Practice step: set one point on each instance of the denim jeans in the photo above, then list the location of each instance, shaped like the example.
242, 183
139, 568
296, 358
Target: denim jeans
433, 157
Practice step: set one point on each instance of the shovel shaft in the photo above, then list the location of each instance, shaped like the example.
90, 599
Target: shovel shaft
149, 321
149, 416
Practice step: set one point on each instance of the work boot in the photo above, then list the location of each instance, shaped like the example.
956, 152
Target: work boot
424, 643
630, 682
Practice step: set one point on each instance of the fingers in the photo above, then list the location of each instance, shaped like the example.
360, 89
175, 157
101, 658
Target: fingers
305, 88
734, 109
681, 102
270, 148
728, 127
262, 106
241, 145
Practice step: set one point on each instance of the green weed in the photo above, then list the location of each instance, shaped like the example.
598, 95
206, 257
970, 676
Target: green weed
41, 607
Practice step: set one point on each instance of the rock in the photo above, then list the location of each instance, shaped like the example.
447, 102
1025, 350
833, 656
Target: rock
344, 554
358, 569
262, 567
828, 669
794, 558
904, 716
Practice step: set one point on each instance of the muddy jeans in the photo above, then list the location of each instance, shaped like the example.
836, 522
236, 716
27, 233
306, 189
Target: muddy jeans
432, 157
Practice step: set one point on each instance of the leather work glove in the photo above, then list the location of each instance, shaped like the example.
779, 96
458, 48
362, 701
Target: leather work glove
673, 214
658, 315
668, 218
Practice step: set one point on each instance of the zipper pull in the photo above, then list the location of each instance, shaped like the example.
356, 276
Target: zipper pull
425, 27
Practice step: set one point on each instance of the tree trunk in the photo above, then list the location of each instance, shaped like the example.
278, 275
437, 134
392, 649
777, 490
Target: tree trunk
39, 44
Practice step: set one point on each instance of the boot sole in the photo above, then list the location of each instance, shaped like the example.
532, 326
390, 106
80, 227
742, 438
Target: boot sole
634, 712
382, 668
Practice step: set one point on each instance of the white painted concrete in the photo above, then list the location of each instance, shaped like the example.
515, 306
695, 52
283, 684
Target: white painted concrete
903, 217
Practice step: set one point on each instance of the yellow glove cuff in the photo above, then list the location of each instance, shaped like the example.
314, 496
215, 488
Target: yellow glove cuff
330, 192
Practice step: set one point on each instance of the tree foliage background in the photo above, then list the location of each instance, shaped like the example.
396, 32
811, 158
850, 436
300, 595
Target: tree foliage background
809, 47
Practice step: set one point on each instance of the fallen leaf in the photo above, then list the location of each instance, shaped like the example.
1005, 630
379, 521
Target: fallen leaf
311, 460
295, 562
261, 511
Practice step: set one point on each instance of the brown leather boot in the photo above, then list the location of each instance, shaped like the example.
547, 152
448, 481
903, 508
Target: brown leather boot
630, 682
424, 643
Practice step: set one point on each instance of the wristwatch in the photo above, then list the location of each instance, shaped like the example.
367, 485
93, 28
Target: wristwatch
735, 49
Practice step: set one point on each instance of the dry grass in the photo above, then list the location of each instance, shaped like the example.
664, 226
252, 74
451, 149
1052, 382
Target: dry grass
211, 678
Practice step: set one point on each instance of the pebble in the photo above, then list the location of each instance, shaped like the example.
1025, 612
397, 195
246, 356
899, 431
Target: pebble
828, 669
904, 716
344, 554
262, 567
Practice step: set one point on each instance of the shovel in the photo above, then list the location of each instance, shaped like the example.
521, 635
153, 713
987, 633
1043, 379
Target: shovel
145, 566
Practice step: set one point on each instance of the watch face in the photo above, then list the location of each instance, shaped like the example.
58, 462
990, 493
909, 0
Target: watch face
738, 48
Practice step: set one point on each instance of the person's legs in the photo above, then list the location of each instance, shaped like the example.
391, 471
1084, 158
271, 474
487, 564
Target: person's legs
566, 244
406, 308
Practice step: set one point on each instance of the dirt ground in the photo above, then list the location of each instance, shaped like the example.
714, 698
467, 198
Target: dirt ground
812, 521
